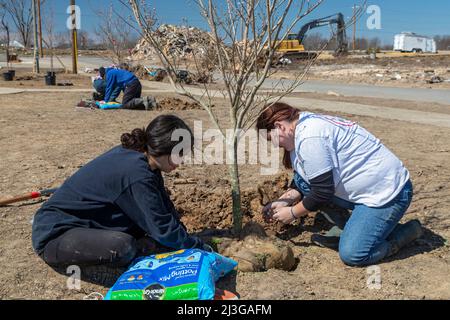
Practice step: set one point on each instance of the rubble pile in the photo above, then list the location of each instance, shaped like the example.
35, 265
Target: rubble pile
180, 42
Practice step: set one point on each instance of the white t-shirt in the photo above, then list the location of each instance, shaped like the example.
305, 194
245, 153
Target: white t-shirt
364, 170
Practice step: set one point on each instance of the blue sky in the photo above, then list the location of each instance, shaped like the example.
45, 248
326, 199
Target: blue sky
430, 17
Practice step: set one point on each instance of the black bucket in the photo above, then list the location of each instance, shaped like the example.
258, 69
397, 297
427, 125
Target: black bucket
13, 72
8, 76
50, 80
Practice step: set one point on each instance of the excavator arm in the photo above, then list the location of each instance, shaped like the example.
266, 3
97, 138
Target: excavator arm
337, 19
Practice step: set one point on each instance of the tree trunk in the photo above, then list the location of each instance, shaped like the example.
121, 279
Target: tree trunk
25, 36
235, 186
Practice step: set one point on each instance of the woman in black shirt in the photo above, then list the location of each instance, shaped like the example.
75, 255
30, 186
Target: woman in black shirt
98, 215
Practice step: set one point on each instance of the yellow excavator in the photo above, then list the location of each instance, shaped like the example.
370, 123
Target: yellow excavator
292, 48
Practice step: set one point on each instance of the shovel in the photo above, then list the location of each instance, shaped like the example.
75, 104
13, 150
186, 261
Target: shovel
28, 196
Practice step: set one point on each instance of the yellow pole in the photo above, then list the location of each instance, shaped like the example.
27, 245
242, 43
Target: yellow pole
74, 39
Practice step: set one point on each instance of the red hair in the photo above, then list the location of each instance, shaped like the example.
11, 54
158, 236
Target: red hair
278, 111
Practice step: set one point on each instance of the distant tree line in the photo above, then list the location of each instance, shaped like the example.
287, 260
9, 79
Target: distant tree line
16, 21
442, 42
316, 41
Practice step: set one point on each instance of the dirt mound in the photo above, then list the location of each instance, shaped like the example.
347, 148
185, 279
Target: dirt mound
176, 104
208, 204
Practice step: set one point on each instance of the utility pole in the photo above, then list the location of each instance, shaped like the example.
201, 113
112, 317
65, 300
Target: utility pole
74, 39
356, 15
354, 27
41, 48
36, 53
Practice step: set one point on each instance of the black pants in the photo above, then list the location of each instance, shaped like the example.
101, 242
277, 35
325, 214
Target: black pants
86, 247
132, 96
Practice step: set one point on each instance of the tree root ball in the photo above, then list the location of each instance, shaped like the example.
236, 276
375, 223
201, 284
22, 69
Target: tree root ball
255, 254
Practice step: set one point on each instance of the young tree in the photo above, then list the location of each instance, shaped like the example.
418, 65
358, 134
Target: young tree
21, 16
245, 36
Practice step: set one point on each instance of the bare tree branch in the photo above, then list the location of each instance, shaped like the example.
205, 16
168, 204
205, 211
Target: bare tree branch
245, 36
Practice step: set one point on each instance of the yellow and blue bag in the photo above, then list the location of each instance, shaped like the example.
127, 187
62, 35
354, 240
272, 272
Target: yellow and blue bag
188, 274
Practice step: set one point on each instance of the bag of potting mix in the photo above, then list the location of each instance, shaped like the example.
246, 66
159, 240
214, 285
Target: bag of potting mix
188, 274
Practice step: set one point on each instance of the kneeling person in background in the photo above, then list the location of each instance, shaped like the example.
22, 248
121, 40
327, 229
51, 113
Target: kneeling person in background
119, 79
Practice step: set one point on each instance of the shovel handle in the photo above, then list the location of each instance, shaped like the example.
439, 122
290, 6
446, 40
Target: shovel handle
28, 196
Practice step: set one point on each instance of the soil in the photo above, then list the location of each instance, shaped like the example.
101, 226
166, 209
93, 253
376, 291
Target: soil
45, 139
172, 104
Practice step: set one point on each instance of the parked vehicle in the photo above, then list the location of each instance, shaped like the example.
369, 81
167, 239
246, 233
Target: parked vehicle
411, 42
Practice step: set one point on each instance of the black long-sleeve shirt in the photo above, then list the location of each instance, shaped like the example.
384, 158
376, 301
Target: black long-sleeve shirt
322, 191
117, 191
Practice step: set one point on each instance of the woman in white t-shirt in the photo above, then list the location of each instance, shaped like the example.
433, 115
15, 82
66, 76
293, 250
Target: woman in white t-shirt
336, 161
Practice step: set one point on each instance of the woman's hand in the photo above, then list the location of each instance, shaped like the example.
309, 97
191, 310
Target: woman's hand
284, 215
270, 208
287, 199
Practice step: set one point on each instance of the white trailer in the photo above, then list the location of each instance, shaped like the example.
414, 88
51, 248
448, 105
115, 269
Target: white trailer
411, 42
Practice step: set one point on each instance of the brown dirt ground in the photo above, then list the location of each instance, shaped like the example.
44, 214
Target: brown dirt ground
45, 139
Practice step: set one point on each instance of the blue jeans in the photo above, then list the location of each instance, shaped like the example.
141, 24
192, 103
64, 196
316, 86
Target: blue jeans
363, 240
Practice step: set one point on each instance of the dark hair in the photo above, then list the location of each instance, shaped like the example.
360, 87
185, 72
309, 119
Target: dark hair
124, 66
102, 72
278, 111
156, 140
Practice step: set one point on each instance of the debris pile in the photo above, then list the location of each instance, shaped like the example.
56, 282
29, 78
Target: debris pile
179, 42
193, 46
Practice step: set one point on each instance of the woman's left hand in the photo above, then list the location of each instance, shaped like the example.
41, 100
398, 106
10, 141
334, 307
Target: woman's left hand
283, 215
